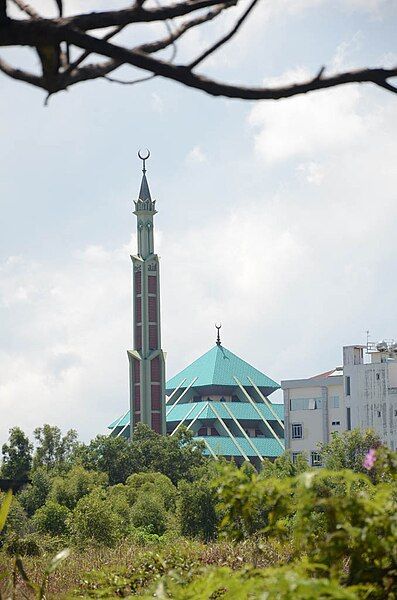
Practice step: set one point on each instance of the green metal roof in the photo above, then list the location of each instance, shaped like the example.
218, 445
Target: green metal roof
218, 367
240, 410
225, 446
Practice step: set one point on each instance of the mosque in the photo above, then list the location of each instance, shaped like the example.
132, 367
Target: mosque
221, 398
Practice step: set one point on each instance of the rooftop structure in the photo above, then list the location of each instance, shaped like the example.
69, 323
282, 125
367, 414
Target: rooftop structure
146, 360
221, 398
224, 401
360, 394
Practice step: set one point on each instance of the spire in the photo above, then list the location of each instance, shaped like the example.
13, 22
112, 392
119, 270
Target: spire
144, 192
144, 202
218, 337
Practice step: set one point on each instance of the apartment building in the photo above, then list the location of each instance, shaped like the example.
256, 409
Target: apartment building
362, 393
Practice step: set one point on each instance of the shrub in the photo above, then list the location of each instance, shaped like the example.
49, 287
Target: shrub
52, 518
23, 546
154, 484
78, 482
35, 494
196, 509
149, 513
94, 521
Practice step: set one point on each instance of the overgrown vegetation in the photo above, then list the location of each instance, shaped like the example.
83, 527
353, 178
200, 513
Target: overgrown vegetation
156, 517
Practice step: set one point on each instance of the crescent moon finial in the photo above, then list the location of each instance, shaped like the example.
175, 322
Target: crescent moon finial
144, 158
218, 337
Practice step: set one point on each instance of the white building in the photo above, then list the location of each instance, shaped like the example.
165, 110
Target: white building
362, 393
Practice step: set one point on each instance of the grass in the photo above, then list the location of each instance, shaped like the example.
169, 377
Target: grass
71, 573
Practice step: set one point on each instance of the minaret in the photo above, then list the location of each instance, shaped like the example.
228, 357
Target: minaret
147, 365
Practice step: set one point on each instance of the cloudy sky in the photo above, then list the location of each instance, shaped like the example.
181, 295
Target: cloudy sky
276, 218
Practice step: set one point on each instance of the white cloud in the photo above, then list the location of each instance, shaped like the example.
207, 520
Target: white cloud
312, 172
309, 124
196, 156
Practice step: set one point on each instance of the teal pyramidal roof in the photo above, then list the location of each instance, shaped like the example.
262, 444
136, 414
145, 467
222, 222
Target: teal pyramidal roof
218, 367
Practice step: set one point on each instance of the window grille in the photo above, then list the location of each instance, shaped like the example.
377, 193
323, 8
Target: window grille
297, 431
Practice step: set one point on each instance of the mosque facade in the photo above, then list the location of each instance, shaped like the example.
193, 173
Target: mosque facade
221, 398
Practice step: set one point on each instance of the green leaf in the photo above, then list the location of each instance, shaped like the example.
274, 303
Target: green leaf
19, 565
5, 509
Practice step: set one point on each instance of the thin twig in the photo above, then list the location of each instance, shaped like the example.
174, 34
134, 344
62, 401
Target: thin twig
27, 9
225, 38
95, 71
131, 82
85, 54
136, 14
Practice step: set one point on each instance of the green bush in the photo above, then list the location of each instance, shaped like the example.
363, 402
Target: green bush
154, 484
149, 513
95, 521
52, 518
197, 509
23, 546
78, 482
35, 494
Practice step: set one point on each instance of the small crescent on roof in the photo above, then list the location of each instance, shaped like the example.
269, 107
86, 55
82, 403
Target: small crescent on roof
144, 157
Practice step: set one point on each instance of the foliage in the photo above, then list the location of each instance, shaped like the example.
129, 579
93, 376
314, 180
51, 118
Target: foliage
35, 494
53, 449
283, 466
17, 455
149, 513
76, 483
248, 584
110, 455
158, 484
345, 523
347, 450
287, 531
52, 518
148, 567
22, 546
196, 509
176, 456
94, 521
5, 509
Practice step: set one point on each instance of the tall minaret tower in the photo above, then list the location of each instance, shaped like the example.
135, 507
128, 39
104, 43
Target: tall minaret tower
147, 366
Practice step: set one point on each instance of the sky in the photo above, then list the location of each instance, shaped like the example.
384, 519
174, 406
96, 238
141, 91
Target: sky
276, 218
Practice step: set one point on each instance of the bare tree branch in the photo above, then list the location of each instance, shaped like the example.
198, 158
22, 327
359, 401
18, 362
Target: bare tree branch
102, 69
225, 38
136, 14
27, 9
20, 75
46, 36
131, 82
187, 77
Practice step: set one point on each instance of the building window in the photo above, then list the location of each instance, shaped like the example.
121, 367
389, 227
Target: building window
297, 431
334, 402
377, 377
348, 419
335, 423
295, 456
379, 413
305, 403
315, 459
347, 386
